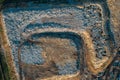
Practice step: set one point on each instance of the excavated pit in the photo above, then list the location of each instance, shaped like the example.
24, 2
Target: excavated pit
56, 53
61, 54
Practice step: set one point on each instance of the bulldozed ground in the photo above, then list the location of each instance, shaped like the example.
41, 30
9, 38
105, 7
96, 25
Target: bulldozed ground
70, 42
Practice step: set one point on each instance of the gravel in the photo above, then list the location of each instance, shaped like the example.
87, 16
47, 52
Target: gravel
18, 20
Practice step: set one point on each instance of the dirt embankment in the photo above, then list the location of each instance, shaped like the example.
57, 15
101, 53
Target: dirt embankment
114, 6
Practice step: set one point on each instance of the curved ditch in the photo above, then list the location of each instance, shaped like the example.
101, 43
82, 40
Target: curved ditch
62, 35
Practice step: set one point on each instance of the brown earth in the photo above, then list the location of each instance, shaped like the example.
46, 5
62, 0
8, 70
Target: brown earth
114, 6
55, 51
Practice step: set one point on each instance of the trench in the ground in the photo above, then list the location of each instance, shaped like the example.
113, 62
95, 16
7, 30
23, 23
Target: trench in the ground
42, 69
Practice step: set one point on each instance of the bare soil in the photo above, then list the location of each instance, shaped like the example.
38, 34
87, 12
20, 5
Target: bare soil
55, 51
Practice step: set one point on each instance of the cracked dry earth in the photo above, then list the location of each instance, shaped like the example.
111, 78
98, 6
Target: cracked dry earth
58, 43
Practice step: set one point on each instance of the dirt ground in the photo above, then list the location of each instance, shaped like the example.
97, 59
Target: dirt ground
114, 6
59, 51
56, 51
